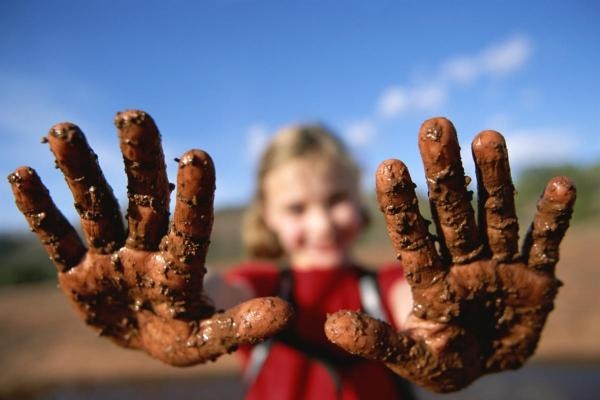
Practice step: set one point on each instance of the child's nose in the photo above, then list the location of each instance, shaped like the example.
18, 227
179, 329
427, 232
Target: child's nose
320, 222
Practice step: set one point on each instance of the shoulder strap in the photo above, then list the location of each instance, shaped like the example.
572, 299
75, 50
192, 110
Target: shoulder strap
260, 352
370, 296
258, 356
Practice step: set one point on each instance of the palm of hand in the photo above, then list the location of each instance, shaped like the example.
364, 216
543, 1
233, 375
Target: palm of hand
144, 290
479, 304
481, 317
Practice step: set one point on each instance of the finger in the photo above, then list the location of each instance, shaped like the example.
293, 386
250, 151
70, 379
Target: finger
94, 199
61, 241
450, 200
406, 356
189, 236
206, 340
554, 210
498, 222
406, 227
148, 186
367, 337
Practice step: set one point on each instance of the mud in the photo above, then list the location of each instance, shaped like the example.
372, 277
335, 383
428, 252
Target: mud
481, 318
148, 188
144, 292
57, 235
94, 199
551, 221
450, 201
407, 229
497, 217
479, 306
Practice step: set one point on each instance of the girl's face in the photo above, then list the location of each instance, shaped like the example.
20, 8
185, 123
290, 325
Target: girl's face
314, 210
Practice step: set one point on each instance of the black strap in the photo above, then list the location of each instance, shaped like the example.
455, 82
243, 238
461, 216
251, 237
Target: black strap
370, 296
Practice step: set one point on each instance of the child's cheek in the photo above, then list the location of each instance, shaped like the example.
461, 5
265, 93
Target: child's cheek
348, 219
290, 234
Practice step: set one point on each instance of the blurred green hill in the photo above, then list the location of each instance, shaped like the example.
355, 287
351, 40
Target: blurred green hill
587, 181
24, 259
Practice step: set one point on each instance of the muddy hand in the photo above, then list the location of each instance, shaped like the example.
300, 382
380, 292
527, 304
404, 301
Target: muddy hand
141, 288
479, 304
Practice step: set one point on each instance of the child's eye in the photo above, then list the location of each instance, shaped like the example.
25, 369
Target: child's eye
337, 198
295, 208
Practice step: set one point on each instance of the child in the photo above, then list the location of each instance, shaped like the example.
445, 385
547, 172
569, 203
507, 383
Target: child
307, 208
477, 305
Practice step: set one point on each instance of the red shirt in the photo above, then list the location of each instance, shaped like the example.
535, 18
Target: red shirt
294, 368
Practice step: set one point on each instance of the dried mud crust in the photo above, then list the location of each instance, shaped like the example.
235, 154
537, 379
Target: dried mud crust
479, 304
141, 287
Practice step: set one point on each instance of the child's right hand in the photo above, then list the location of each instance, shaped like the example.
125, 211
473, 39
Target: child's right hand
143, 291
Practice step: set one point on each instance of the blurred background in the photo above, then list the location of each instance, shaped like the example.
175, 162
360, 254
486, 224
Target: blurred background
223, 76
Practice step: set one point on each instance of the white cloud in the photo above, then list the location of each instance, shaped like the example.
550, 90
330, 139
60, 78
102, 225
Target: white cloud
495, 60
428, 97
535, 146
506, 57
462, 70
393, 101
360, 133
397, 100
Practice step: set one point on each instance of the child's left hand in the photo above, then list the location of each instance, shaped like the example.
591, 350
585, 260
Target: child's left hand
479, 304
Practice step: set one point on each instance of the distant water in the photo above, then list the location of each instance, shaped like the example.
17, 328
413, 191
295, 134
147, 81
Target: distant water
536, 381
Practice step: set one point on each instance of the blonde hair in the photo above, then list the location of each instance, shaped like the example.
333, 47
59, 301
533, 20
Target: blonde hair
289, 143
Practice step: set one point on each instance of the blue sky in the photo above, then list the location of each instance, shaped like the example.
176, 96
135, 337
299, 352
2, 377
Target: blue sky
224, 75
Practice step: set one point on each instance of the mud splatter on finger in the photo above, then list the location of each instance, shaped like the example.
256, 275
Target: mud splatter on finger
451, 202
554, 210
498, 222
189, 236
182, 343
94, 199
58, 237
148, 186
406, 227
